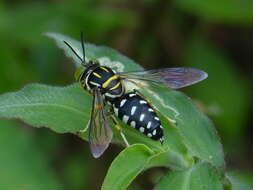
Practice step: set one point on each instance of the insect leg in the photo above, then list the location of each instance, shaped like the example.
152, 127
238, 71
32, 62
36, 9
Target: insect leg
117, 126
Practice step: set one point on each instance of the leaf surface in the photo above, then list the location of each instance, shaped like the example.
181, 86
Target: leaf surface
237, 182
195, 129
67, 109
62, 109
199, 177
23, 164
126, 166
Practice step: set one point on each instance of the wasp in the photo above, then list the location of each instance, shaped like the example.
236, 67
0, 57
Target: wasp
108, 88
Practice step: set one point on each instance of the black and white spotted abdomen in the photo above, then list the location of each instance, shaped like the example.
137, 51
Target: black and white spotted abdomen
133, 110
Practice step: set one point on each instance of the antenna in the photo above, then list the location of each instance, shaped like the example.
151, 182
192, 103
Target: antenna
82, 43
73, 51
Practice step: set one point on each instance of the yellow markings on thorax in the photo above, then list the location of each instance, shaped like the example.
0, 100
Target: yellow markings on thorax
106, 83
116, 86
105, 69
96, 74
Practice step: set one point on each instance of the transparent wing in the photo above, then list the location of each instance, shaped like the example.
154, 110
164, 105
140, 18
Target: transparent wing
100, 133
173, 77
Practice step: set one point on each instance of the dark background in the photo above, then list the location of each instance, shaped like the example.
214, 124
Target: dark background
215, 36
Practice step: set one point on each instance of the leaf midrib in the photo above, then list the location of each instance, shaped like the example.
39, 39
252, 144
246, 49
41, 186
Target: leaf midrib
41, 104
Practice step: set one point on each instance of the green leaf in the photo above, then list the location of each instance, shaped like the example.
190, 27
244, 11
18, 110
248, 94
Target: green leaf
226, 11
193, 136
202, 54
237, 182
200, 176
126, 166
45, 106
61, 109
196, 130
23, 164
96, 21
105, 55
132, 161
11, 61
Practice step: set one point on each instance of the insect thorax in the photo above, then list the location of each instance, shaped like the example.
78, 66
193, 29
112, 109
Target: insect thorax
105, 79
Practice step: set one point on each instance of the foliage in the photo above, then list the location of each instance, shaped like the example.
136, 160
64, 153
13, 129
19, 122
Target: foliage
201, 54
19, 171
220, 11
194, 150
215, 36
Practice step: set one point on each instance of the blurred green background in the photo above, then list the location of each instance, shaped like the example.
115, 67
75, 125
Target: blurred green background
215, 36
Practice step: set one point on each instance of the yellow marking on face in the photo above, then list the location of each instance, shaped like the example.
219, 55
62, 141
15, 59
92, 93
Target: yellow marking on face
116, 86
98, 106
79, 72
106, 83
96, 74
83, 84
105, 69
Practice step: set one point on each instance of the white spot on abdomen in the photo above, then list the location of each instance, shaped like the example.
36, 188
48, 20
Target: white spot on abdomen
133, 124
143, 102
125, 118
150, 110
142, 129
122, 102
133, 110
149, 124
131, 95
142, 117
